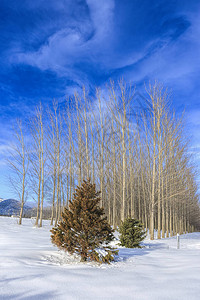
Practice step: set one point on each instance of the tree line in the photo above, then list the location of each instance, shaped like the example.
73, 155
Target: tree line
133, 147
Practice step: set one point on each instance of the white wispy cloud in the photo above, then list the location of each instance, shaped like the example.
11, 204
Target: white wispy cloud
79, 42
175, 60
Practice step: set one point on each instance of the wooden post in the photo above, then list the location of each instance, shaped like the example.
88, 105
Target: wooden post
178, 241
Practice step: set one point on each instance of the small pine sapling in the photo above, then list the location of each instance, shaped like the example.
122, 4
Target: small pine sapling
84, 229
131, 233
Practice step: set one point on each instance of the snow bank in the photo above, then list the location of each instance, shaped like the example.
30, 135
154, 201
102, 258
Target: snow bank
32, 268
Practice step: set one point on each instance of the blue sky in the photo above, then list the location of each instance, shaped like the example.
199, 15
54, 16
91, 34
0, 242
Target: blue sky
50, 48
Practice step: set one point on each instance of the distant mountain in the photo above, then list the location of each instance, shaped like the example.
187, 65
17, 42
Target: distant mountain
9, 207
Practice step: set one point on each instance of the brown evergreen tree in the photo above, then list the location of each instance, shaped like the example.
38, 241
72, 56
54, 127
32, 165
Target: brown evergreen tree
84, 228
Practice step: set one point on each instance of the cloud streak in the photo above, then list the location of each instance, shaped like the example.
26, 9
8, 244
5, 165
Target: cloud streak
80, 43
92, 44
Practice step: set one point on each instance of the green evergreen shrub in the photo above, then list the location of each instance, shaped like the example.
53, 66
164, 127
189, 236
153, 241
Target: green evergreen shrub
84, 229
131, 233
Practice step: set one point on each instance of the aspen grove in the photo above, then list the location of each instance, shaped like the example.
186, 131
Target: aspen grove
133, 147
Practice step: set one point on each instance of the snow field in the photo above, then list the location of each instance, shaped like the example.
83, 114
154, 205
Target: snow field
32, 268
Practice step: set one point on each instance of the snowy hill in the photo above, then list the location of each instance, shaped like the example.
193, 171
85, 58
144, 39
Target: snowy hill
9, 207
32, 268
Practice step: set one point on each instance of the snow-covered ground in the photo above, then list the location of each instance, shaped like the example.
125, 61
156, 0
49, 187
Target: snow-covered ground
32, 268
